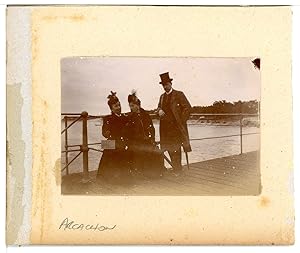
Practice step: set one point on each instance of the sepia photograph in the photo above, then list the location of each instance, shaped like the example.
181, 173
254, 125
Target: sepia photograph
149, 125
160, 126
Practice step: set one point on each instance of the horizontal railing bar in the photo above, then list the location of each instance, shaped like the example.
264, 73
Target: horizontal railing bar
97, 116
66, 114
98, 150
212, 124
95, 143
67, 151
75, 145
70, 125
224, 114
250, 133
218, 114
71, 161
217, 137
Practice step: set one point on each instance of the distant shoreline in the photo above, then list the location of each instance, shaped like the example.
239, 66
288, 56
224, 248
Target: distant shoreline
231, 122
214, 120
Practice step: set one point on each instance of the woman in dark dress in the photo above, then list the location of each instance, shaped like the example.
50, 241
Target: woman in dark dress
146, 157
114, 163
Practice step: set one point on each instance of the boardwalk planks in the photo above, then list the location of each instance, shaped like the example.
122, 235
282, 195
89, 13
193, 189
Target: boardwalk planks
232, 175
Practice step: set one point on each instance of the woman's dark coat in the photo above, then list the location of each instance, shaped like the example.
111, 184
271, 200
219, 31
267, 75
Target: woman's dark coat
145, 155
114, 162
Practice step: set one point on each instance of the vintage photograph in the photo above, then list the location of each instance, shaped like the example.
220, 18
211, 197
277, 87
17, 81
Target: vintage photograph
160, 126
149, 125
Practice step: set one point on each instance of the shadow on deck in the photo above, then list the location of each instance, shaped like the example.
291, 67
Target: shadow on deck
232, 175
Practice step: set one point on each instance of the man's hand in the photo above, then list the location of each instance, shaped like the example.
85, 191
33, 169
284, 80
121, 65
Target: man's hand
161, 113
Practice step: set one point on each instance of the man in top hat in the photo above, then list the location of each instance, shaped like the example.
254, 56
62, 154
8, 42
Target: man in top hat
173, 110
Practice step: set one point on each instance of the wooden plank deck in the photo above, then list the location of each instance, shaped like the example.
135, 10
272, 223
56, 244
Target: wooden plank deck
232, 175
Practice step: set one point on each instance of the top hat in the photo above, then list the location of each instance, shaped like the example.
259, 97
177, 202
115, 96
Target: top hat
165, 78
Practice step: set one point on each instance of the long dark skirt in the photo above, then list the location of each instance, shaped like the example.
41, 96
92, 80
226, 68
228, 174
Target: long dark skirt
114, 166
147, 159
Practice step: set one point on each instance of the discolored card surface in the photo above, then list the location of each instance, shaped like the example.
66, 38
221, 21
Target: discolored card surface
63, 63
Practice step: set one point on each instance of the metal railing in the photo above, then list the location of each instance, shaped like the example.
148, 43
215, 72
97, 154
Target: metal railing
84, 147
240, 117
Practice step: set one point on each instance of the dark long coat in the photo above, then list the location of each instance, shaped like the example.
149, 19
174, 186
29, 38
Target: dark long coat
114, 162
140, 129
181, 109
145, 156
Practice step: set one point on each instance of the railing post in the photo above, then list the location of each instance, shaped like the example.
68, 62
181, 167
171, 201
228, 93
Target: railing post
241, 132
66, 144
84, 147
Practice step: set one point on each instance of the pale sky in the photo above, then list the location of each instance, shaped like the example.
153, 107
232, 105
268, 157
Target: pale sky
87, 81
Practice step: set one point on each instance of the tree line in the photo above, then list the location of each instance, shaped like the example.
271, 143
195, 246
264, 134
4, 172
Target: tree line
221, 106
224, 106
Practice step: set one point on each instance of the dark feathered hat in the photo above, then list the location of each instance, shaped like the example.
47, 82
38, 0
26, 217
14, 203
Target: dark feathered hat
112, 99
132, 98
